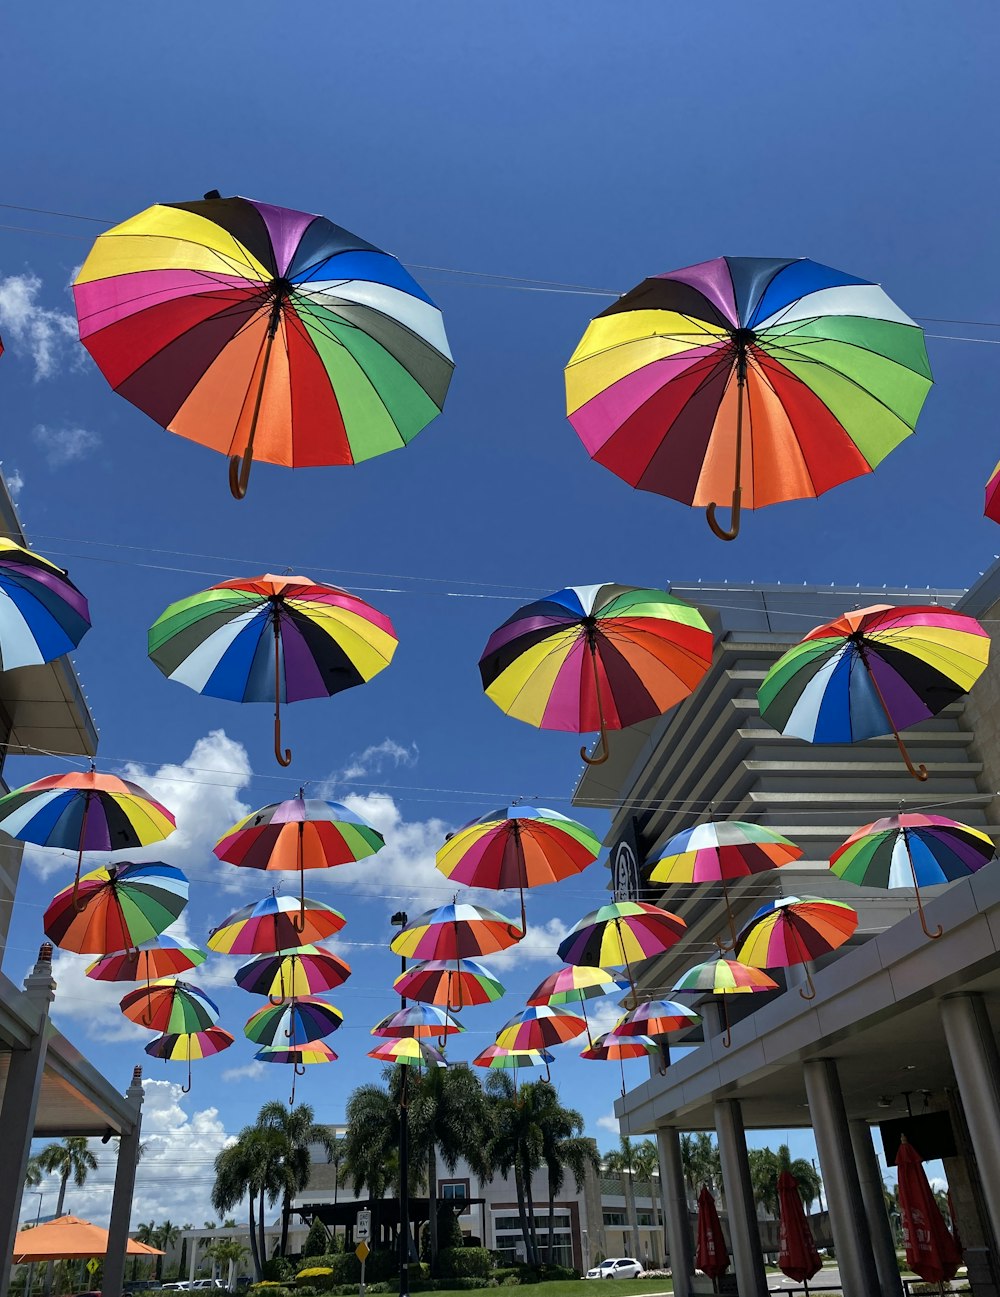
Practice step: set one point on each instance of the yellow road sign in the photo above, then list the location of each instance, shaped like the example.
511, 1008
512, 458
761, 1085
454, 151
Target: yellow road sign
362, 1250
93, 1265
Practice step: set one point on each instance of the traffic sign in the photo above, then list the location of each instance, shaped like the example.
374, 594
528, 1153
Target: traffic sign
363, 1227
362, 1251
93, 1265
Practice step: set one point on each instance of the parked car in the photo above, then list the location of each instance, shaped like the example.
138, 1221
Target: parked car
210, 1285
622, 1267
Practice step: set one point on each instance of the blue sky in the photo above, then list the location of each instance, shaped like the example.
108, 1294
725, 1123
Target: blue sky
589, 146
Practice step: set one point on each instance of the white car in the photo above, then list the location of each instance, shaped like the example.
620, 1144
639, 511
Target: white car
623, 1267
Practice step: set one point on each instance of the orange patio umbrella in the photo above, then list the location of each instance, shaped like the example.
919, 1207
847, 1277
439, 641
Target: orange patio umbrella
67, 1238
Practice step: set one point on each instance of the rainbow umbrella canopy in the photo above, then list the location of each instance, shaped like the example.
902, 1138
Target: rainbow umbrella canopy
296, 972
612, 1047
419, 1021
298, 1021
496, 1058
455, 931
271, 639
42, 614
171, 1007
517, 846
794, 930
409, 1052
754, 378
263, 331
187, 1047
596, 657
298, 1057
571, 987
873, 672
116, 906
450, 985
723, 977
85, 811
912, 850
656, 1018
540, 1027
270, 924
992, 509
620, 934
163, 957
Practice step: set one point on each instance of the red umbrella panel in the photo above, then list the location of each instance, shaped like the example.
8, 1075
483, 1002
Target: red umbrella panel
712, 1255
931, 1252
797, 1258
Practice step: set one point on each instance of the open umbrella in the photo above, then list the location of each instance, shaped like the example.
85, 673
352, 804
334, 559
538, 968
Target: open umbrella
723, 977
619, 933
495, 1057
186, 1047
596, 657
417, 1021
410, 1052
299, 834
711, 1254
722, 850
271, 639
455, 931
992, 509
914, 850
797, 1255
656, 1018
296, 972
298, 1020
171, 1007
449, 985
163, 957
42, 614
794, 930
872, 672
271, 924
68, 1238
263, 330
116, 906
298, 1057
540, 1027
571, 987
612, 1047
765, 378
84, 811
931, 1252
517, 846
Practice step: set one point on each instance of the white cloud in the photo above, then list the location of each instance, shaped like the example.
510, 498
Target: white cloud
251, 1071
609, 1122
540, 942
375, 758
95, 1004
65, 445
45, 334
15, 482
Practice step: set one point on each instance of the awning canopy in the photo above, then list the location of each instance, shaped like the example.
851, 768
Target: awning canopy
67, 1238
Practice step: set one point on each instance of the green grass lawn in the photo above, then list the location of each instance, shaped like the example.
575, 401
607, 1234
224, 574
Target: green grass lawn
577, 1288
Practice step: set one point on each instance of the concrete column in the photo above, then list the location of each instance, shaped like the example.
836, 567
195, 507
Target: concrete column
976, 1063
20, 1107
675, 1209
870, 1177
740, 1207
121, 1198
192, 1259
840, 1178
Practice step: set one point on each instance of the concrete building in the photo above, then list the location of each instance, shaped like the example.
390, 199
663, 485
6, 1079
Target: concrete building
901, 1027
48, 1089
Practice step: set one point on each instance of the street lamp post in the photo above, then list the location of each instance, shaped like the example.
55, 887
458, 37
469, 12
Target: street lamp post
399, 920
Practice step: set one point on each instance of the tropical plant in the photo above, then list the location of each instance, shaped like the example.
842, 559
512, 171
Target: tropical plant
32, 1174
181, 1268
700, 1160
249, 1169
145, 1233
766, 1166
229, 1252
166, 1235
564, 1148
646, 1160
372, 1138
295, 1130
621, 1161
71, 1157
317, 1240
513, 1147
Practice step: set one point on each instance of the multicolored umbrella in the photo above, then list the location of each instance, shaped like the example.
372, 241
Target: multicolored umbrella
540, 1027
495, 1057
295, 972
718, 851
42, 614
931, 1252
417, 1021
455, 931
299, 1020
573, 986
190, 1046
299, 834
85, 811
874, 671
992, 509
116, 906
517, 846
711, 1254
786, 375
596, 657
271, 639
723, 977
656, 1018
614, 1048
449, 985
182, 305
797, 1254
794, 930
410, 1052
163, 957
299, 1057
269, 925
913, 850
619, 933
171, 1007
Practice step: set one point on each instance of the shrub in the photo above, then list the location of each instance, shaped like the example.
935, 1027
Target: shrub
304, 1290
464, 1263
311, 1271
317, 1240
510, 1281
504, 1272
278, 1269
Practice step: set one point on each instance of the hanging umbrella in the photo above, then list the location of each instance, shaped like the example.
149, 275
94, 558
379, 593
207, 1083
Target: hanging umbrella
451, 985
913, 850
116, 906
540, 1027
271, 639
163, 957
797, 1255
931, 1252
182, 305
295, 972
723, 977
301, 1019
619, 933
269, 925
417, 1021
794, 930
298, 1057
614, 1048
189, 1046
517, 846
496, 1057
171, 1007
769, 379
42, 614
572, 986
596, 657
711, 1254
872, 672
299, 834
84, 811
409, 1051
722, 850
455, 931
656, 1018
992, 509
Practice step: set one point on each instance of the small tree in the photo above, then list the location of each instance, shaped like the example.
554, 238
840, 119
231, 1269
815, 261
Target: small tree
317, 1240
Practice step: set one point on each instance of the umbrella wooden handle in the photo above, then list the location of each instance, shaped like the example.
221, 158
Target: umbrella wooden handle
734, 519
734, 527
602, 742
239, 470
239, 474
286, 759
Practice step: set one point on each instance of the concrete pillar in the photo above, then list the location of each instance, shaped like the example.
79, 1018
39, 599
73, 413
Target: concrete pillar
840, 1178
121, 1198
976, 1064
20, 1106
675, 1209
870, 1177
748, 1259
192, 1258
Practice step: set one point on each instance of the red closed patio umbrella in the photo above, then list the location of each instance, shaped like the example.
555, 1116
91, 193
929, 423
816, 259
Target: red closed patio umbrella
797, 1256
931, 1252
712, 1256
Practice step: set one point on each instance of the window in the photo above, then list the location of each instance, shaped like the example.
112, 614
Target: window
453, 1189
615, 1218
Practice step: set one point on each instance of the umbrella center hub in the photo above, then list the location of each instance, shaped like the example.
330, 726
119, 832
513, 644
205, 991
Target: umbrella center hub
743, 338
279, 288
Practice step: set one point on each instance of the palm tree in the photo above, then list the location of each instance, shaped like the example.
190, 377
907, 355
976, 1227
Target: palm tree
810, 1183
227, 1251
513, 1146
565, 1148
647, 1167
250, 1169
621, 1161
32, 1174
145, 1233
184, 1248
166, 1234
70, 1157
336, 1147
369, 1146
295, 1130
700, 1160
766, 1166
